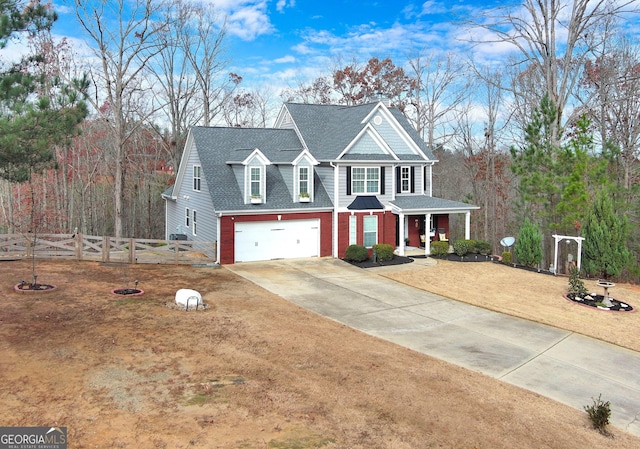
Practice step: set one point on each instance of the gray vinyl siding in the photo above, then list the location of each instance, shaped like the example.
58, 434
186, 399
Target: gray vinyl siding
173, 220
366, 145
427, 184
391, 136
199, 201
344, 200
325, 172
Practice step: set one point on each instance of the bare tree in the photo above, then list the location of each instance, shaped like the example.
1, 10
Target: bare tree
439, 88
203, 47
554, 39
124, 49
177, 87
612, 85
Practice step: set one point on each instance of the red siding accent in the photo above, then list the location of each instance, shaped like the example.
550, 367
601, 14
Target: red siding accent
227, 231
386, 229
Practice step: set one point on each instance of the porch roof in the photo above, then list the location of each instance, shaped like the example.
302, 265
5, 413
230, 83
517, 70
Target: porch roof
365, 203
423, 204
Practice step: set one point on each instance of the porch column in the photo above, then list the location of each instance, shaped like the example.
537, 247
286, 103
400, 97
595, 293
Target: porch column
427, 234
401, 234
467, 226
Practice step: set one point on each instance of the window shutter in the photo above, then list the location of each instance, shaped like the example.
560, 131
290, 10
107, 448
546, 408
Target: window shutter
381, 180
348, 180
424, 179
413, 180
398, 180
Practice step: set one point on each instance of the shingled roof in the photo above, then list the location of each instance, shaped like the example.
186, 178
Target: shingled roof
218, 147
328, 129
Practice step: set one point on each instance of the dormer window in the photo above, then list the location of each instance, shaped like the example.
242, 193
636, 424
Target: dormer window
303, 181
256, 182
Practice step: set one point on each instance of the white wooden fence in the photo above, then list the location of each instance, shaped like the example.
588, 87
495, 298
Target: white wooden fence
106, 249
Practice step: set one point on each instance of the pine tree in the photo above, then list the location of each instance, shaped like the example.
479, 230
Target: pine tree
528, 247
37, 111
605, 231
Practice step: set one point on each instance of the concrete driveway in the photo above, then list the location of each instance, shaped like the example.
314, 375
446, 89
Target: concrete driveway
558, 364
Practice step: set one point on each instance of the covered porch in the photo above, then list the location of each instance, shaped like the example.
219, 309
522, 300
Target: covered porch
424, 219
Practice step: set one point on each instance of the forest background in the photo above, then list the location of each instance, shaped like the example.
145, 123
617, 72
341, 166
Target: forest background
89, 144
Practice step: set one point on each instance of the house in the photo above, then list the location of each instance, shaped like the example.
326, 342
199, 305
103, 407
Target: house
324, 177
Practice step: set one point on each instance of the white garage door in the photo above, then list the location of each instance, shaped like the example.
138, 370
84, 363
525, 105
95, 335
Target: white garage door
266, 240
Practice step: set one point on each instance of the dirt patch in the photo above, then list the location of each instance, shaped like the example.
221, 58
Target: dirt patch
250, 371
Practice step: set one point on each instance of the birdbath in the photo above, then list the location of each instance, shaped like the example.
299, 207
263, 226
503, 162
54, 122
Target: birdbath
606, 285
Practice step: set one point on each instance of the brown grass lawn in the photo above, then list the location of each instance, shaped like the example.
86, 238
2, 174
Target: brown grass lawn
254, 371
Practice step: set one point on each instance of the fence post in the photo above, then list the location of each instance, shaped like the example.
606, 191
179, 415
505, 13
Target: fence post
79, 240
106, 245
176, 246
132, 251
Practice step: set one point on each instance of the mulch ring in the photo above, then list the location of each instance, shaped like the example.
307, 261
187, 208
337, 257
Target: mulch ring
597, 302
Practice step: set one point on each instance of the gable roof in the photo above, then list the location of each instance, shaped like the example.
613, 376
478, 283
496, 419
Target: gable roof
326, 130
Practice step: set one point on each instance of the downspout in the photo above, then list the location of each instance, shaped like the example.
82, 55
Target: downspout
334, 218
219, 224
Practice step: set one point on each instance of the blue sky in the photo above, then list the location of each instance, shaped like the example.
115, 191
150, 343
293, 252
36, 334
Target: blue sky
280, 42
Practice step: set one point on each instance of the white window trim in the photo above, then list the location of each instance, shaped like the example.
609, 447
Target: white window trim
366, 180
194, 231
353, 230
187, 217
308, 181
251, 181
365, 219
407, 178
198, 178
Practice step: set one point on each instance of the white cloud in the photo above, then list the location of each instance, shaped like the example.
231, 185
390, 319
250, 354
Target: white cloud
282, 4
246, 19
285, 60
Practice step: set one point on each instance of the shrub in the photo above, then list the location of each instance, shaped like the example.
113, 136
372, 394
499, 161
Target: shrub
599, 414
576, 286
439, 249
528, 247
461, 247
483, 247
356, 253
383, 251
507, 257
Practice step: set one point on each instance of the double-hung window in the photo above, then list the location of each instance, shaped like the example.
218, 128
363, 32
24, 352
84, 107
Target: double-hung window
195, 223
365, 180
370, 229
405, 179
196, 177
255, 181
303, 180
187, 218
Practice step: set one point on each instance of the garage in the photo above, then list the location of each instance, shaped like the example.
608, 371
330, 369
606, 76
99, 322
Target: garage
283, 239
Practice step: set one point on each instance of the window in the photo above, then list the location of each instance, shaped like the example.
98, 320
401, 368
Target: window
370, 230
353, 230
195, 223
365, 180
255, 181
405, 179
196, 177
303, 180
187, 218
